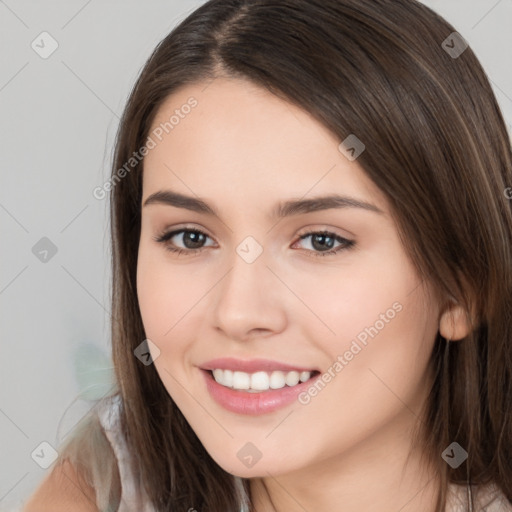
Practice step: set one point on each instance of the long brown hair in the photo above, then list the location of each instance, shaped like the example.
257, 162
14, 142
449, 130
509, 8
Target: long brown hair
436, 145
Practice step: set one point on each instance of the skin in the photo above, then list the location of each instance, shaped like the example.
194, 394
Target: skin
243, 150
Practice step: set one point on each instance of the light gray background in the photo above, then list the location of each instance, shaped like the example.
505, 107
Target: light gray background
57, 125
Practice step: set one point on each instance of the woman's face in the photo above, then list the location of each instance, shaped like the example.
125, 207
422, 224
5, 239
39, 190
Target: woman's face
265, 299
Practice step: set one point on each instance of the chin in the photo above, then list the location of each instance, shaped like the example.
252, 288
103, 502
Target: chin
244, 467
235, 468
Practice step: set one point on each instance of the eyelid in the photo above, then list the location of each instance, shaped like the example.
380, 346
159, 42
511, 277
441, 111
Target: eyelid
318, 228
345, 243
185, 227
164, 235
303, 232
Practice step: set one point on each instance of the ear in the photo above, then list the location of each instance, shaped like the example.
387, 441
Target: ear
454, 322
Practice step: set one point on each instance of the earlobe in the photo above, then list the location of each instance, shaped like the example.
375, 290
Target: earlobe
454, 323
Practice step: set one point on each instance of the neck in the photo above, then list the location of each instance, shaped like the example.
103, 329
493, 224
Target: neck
381, 475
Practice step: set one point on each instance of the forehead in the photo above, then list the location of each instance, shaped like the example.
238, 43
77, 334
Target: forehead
231, 135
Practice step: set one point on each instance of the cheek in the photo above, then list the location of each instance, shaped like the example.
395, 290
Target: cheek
155, 302
351, 298
165, 295
166, 298
376, 366
376, 316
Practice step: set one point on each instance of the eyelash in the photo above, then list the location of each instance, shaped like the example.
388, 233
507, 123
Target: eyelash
166, 236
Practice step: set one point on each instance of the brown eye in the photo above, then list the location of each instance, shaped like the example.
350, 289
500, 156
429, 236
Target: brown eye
322, 242
192, 239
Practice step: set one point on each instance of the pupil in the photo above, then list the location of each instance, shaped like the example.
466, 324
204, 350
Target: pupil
321, 239
196, 238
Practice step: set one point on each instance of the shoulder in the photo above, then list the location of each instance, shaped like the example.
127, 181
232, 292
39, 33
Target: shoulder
63, 490
85, 476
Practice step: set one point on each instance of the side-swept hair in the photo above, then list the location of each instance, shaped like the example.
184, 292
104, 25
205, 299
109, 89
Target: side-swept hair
436, 146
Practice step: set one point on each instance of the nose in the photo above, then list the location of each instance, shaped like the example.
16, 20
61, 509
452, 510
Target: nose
249, 301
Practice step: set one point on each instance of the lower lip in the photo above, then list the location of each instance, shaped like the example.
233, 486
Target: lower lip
243, 402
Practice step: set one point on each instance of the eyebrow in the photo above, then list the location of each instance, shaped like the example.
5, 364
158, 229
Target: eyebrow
283, 209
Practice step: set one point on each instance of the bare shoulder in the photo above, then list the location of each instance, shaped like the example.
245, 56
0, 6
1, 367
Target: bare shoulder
63, 490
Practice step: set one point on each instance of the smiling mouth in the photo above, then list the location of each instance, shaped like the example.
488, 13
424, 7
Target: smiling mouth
261, 380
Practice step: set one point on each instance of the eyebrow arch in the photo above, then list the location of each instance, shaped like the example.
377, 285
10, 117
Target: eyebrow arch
284, 209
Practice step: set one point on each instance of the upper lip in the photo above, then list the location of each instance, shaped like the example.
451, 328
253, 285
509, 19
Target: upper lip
252, 365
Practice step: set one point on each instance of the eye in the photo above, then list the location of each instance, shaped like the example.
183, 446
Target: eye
191, 238
323, 242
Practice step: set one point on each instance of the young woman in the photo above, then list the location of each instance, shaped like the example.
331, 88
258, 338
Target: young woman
312, 272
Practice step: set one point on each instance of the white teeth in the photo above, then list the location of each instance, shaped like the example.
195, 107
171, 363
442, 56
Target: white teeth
227, 378
218, 375
304, 376
241, 380
277, 380
259, 381
292, 378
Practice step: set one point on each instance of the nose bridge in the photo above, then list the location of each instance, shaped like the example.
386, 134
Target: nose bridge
246, 297
248, 275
